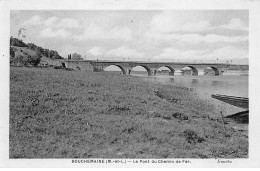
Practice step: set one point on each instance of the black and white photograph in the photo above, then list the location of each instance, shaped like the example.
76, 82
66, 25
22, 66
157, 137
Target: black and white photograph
130, 85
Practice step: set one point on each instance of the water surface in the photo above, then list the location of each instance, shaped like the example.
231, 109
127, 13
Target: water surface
205, 86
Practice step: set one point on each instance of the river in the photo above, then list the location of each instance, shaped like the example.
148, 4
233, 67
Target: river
204, 86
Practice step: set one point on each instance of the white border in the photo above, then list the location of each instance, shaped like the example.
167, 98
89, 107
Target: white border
254, 53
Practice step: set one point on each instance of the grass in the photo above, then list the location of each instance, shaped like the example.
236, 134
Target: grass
67, 114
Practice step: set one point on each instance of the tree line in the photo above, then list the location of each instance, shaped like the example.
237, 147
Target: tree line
75, 56
52, 54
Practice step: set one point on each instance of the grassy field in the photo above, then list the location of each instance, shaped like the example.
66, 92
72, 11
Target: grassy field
67, 114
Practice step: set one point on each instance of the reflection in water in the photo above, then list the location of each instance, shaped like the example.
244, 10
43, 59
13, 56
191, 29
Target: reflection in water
234, 85
217, 83
205, 86
194, 82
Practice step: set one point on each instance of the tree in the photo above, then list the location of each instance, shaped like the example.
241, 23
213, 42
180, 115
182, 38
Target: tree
32, 46
76, 56
17, 42
12, 43
12, 54
44, 52
35, 59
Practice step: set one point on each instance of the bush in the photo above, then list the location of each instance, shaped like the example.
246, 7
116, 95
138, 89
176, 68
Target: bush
45, 52
12, 55
35, 59
26, 60
19, 59
192, 137
17, 42
57, 67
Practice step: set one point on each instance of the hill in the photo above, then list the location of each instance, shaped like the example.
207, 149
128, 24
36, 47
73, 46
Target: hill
30, 54
24, 50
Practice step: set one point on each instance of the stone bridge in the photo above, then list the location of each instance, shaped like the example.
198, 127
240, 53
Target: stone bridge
151, 67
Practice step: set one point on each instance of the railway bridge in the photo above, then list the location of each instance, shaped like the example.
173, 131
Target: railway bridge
151, 67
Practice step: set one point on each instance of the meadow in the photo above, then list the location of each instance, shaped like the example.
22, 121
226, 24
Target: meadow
56, 113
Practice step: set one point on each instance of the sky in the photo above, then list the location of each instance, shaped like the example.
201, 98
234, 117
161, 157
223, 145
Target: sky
138, 35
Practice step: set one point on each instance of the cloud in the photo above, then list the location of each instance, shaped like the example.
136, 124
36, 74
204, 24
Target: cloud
169, 22
121, 33
68, 23
224, 53
125, 51
53, 22
229, 52
48, 32
53, 26
95, 32
187, 22
195, 27
170, 54
167, 34
234, 24
196, 38
192, 28
96, 51
35, 20
209, 38
50, 21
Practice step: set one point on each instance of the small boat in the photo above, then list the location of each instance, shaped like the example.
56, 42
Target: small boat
241, 102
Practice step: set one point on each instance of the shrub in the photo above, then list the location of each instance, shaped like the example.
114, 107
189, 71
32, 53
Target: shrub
12, 54
19, 59
23, 59
180, 116
17, 42
57, 67
35, 59
192, 137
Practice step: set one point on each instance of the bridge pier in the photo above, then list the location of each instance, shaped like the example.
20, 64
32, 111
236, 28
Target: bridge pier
217, 73
128, 71
194, 72
171, 73
152, 72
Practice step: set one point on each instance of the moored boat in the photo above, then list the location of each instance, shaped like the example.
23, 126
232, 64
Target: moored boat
241, 102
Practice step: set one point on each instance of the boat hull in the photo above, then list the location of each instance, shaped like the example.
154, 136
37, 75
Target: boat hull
241, 102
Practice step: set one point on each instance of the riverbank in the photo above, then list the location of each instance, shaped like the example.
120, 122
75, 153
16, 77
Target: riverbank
67, 114
205, 86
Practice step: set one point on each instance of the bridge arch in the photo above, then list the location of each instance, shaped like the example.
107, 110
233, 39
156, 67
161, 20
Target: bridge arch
119, 66
194, 70
216, 70
169, 67
149, 71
